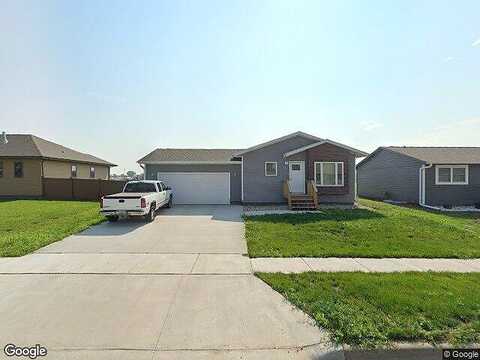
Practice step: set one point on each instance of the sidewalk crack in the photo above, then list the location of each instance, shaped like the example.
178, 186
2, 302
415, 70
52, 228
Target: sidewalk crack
167, 316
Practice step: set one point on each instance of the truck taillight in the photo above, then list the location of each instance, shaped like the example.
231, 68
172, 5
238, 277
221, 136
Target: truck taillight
143, 203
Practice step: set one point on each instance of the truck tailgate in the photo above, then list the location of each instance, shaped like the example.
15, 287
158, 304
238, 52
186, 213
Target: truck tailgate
127, 201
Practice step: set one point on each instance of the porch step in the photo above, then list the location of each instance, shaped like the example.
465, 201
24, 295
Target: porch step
299, 196
303, 207
302, 202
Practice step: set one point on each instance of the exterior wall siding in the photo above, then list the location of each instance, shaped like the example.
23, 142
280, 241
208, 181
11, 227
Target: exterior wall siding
392, 173
30, 185
258, 188
339, 194
62, 170
234, 170
437, 195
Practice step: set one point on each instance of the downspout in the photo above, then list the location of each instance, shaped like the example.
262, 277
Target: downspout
421, 184
241, 179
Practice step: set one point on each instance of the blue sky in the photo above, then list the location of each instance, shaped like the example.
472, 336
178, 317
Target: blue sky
120, 78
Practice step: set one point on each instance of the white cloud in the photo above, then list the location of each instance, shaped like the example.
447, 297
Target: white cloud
458, 133
448, 59
370, 125
476, 42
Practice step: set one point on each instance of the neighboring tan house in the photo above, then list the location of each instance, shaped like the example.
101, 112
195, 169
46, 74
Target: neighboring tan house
296, 164
434, 176
26, 159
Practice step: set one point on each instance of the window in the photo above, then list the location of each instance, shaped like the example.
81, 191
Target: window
1, 169
18, 169
92, 172
451, 175
296, 167
160, 186
270, 168
140, 187
329, 173
74, 171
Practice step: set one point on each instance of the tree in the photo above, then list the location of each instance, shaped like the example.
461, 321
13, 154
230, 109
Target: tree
131, 173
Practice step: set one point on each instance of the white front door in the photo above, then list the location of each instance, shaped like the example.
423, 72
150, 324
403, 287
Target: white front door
296, 174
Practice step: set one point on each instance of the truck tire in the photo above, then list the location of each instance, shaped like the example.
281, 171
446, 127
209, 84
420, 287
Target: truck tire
112, 218
150, 216
170, 202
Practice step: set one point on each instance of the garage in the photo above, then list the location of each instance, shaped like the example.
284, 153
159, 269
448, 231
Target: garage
198, 187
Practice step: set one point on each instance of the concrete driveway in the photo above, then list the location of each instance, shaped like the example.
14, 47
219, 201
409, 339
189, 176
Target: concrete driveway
178, 288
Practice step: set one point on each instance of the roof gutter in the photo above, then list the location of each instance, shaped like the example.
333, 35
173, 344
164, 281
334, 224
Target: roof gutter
421, 183
189, 162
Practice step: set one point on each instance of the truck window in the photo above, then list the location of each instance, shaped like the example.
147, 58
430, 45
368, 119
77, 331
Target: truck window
140, 188
160, 186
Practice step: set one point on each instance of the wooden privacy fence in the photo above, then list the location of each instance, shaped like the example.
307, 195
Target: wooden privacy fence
79, 189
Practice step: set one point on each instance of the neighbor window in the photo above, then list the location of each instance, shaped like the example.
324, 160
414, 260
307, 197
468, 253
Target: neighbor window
74, 171
92, 172
1, 168
451, 175
329, 173
18, 169
270, 168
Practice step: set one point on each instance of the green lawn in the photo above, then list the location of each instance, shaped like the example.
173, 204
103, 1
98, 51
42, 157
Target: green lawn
375, 230
370, 310
27, 225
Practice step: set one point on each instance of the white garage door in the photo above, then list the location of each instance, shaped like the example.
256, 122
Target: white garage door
198, 188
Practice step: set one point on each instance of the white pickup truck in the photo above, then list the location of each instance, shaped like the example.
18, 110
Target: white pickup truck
138, 198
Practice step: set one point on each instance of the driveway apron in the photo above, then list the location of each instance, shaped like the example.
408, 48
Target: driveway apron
180, 287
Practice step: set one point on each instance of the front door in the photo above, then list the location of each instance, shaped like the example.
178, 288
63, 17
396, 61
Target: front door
296, 174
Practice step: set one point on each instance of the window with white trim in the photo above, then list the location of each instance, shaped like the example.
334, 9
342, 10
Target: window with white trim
329, 173
270, 168
451, 175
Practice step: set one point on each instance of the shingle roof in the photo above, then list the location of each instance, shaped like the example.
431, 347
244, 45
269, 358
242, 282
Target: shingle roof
20, 145
189, 155
441, 155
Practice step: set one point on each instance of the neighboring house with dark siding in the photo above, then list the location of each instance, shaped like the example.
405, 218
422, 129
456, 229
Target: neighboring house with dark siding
25, 160
257, 175
434, 176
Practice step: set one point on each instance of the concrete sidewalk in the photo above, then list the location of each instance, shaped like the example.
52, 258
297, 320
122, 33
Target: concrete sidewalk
298, 265
154, 264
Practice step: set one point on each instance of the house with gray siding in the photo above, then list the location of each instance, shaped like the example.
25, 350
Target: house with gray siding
433, 176
296, 167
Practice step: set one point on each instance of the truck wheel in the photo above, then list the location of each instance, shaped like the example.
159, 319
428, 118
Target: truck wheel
151, 214
170, 202
112, 218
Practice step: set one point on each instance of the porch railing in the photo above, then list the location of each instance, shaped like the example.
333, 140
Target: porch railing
313, 192
287, 194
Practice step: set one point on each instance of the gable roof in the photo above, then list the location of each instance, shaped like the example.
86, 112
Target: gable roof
434, 154
31, 146
189, 156
441, 155
280, 139
357, 153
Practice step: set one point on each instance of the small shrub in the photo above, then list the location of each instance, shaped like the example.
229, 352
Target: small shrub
447, 206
